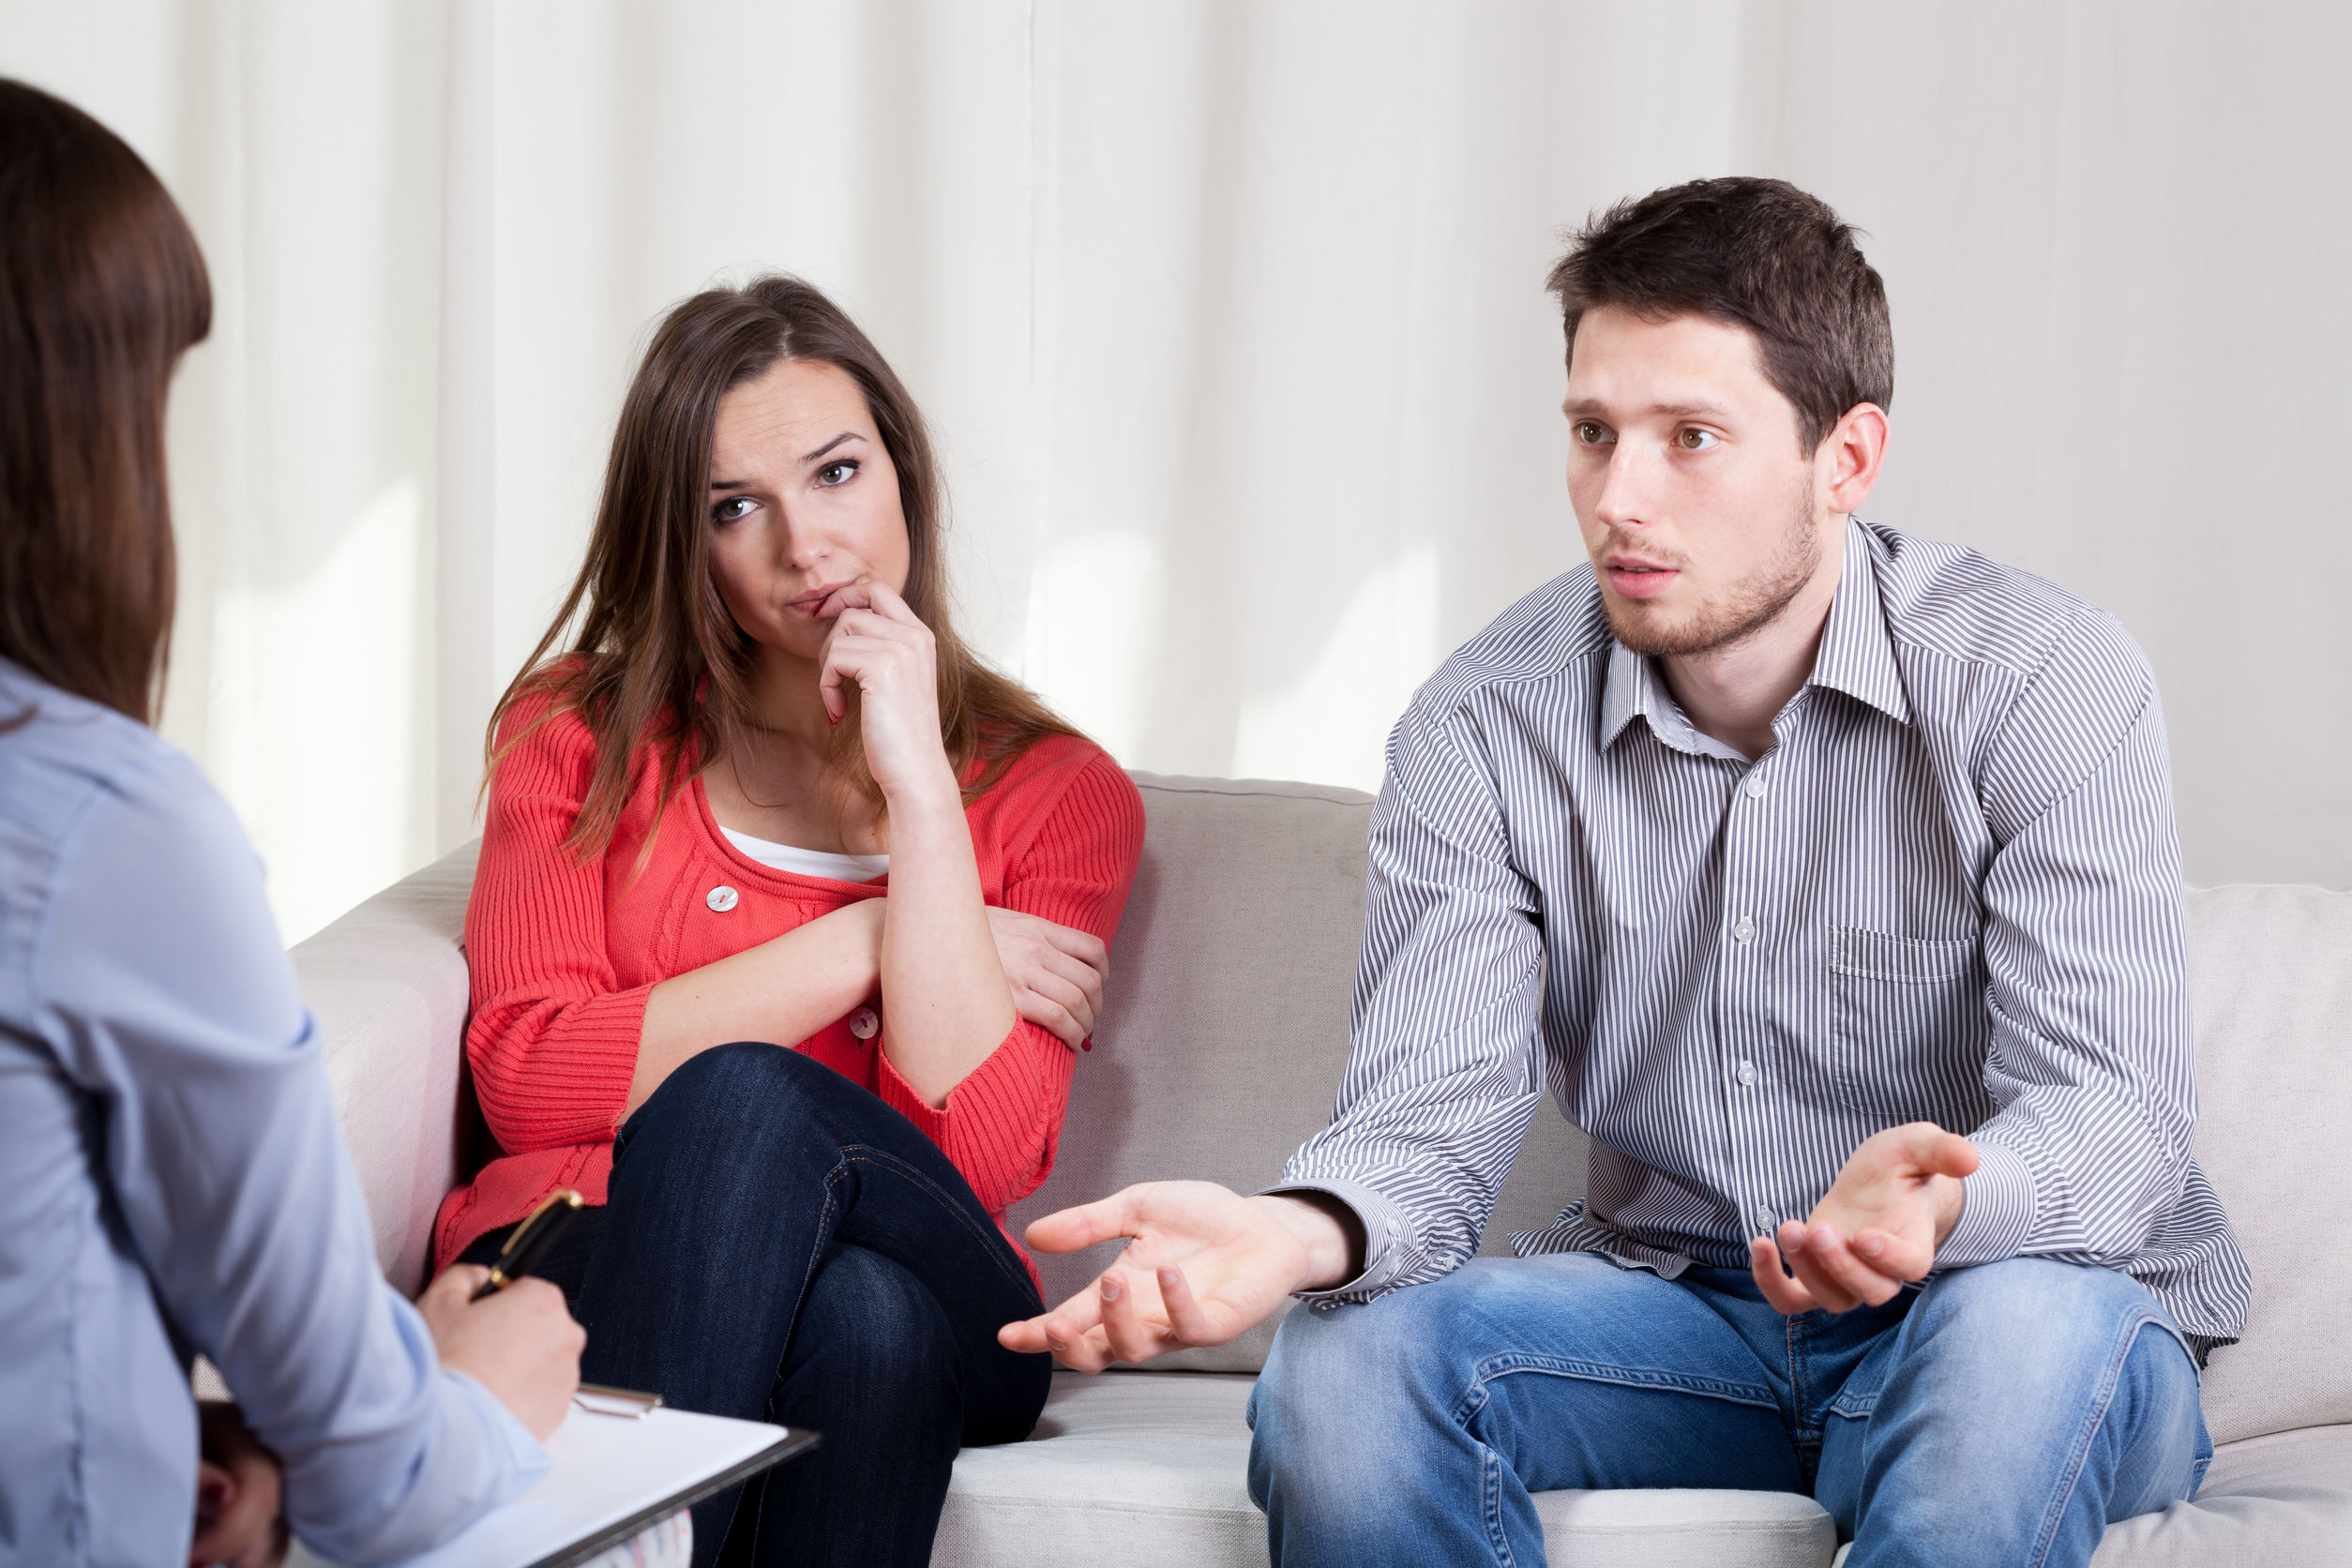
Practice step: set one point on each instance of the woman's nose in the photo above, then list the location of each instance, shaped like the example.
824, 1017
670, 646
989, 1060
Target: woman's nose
798, 542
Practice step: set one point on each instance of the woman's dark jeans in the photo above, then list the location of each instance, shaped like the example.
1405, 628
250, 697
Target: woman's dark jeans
781, 1245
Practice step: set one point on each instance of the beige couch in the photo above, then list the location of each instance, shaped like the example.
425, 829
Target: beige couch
1220, 1052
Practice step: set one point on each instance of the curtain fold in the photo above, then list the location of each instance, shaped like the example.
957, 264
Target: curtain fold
1230, 322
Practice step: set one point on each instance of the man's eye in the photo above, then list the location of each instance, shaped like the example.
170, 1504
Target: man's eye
837, 473
732, 507
1692, 439
1590, 434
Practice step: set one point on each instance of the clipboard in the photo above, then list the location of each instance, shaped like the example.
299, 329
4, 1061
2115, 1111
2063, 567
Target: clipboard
614, 1475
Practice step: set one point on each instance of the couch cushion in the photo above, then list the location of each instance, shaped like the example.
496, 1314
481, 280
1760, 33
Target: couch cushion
2271, 972
1150, 1468
387, 984
1221, 1039
2283, 1499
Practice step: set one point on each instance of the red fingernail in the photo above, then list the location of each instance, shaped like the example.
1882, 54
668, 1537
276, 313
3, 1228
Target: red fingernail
1086, 1043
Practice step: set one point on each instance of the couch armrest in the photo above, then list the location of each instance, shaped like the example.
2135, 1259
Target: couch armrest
387, 984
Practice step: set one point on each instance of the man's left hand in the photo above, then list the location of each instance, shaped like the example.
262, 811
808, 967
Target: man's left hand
1879, 1225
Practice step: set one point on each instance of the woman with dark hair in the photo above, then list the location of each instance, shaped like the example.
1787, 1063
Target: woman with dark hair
172, 1179
767, 800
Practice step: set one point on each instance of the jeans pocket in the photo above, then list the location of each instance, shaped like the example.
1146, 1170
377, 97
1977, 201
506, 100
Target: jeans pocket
1898, 1007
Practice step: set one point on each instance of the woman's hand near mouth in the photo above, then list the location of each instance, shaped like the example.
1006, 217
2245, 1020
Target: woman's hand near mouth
878, 644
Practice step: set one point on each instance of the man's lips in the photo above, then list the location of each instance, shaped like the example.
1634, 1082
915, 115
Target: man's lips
1637, 578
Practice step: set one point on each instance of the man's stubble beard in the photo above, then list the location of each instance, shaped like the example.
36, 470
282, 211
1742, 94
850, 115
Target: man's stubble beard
1753, 605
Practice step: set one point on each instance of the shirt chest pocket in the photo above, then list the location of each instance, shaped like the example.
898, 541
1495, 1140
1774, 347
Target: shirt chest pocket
1907, 1023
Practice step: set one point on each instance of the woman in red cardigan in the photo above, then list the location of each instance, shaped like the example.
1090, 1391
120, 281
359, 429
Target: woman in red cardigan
789, 917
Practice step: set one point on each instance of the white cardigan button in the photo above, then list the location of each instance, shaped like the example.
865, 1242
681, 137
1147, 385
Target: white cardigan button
721, 899
864, 1024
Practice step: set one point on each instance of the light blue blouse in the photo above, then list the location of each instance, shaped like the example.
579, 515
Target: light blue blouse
173, 1180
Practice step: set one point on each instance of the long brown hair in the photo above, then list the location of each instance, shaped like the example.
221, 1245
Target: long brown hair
657, 661
102, 290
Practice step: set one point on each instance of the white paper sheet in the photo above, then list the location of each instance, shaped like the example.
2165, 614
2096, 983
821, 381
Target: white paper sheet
606, 1467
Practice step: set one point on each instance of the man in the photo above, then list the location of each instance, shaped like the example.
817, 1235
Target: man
1787, 850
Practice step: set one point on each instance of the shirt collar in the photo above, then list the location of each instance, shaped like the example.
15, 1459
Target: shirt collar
1856, 657
1634, 687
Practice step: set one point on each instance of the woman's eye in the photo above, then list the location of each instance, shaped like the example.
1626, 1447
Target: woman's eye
1692, 439
837, 473
732, 507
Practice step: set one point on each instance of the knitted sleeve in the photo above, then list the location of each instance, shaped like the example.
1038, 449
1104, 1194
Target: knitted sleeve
1003, 1124
553, 1035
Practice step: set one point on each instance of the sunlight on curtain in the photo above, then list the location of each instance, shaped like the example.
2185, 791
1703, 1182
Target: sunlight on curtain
1229, 320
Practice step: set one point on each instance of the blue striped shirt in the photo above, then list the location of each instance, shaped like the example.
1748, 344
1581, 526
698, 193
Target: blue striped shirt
1949, 892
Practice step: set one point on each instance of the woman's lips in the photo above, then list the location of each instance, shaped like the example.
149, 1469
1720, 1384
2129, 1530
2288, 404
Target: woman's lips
1641, 582
808, 603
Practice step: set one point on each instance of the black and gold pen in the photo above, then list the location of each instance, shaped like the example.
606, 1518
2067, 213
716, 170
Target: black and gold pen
528, 1247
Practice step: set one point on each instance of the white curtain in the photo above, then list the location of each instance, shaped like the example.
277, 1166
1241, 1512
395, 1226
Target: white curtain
1229, 319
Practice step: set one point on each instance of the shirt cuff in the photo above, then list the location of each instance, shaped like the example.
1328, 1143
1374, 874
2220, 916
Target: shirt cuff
1997, 1213
1384, 1231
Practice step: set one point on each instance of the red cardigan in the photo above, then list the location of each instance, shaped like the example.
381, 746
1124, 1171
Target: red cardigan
563, 954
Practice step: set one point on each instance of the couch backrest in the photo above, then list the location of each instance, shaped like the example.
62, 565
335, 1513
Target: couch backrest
1220, 1047
1227, 1025
2270, 972
387, 984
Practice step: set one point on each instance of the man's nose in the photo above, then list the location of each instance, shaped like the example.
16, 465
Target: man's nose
1624, 498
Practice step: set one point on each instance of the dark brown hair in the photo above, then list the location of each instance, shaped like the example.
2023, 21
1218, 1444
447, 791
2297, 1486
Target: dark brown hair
657, 660
102, 290
1755, 254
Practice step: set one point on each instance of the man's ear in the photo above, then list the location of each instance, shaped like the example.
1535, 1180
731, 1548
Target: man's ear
1850, 455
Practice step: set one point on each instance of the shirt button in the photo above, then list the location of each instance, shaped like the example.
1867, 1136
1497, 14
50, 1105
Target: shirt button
864, 1024
1766, 1221
721, 899
1756, 788
1747, 1072
1742, 930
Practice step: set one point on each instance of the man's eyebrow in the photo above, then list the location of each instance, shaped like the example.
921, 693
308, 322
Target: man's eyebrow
1670, 411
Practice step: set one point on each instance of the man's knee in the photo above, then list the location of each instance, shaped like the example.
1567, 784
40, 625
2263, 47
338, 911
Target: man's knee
2032, 1395
1350, 1396
1341, 1382
2030, 1320
2033, 1349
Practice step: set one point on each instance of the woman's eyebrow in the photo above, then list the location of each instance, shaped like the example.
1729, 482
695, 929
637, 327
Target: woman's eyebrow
812, 457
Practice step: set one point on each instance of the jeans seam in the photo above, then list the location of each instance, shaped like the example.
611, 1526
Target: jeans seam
1501, 1542
1599, 1372
2047, 1536
1473, 1400
1490, 1469
865, 1154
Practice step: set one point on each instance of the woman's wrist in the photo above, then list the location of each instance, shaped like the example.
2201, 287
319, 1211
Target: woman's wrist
932, 804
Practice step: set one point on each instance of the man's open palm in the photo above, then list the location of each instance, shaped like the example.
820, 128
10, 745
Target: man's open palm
1202, 1264
1879, 1225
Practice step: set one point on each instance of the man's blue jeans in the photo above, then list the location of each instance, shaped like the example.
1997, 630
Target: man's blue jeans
2002, 1415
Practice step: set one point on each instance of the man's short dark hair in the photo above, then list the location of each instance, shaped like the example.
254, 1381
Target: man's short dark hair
1751, 253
